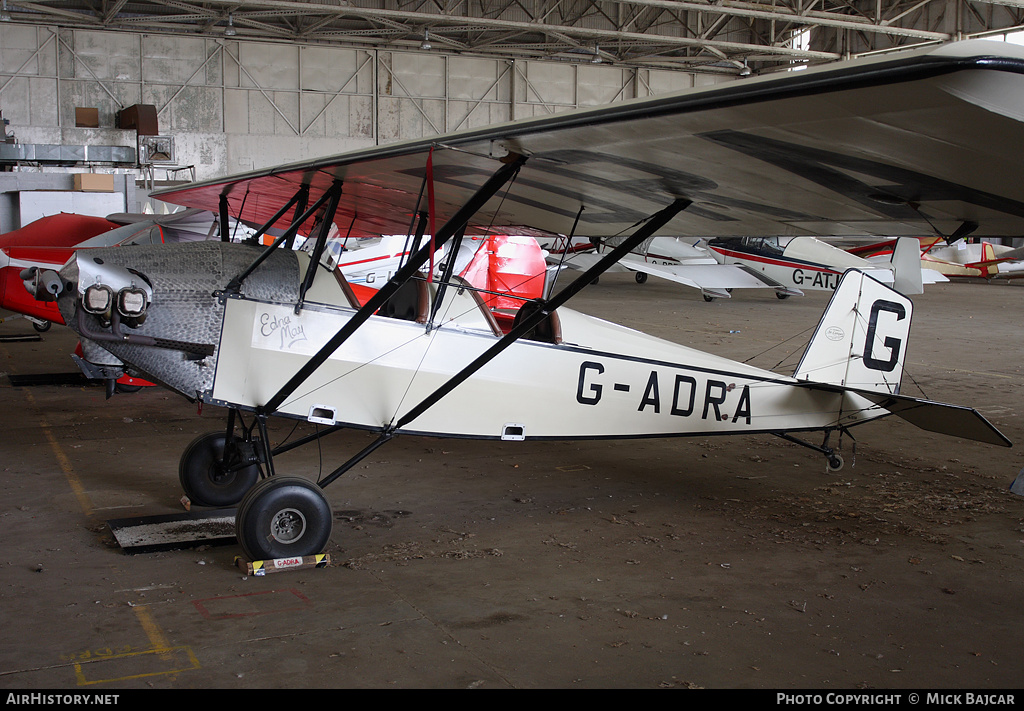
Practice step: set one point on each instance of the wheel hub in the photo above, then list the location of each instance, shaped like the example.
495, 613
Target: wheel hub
287, 526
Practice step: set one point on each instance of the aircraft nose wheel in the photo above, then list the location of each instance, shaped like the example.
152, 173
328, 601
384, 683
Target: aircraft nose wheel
283, 517
207, 478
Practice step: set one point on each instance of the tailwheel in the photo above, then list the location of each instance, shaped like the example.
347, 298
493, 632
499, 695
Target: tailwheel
212, 476
834, 462
283, 517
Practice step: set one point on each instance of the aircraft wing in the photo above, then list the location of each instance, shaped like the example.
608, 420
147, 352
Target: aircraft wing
715, 280
581, 261
842, 149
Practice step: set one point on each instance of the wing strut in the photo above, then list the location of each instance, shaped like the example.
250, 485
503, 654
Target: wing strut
656, 222
568, 244
299, 200
327, 219
235, 284
421, 257
225, 235
449, 267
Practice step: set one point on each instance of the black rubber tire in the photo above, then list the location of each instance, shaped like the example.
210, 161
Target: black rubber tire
201, 474
283, 517
641, 277
780, 296
42, 327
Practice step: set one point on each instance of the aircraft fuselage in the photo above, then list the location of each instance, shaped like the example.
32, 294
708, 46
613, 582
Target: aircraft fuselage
764, 255
586, 378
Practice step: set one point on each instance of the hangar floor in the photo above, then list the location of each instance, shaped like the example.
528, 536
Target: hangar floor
712, 563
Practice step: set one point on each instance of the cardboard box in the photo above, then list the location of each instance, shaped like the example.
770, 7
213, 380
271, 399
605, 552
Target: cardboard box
94, 182
87, 118
141, 117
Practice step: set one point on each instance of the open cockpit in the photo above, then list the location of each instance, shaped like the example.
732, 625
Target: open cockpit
461, 306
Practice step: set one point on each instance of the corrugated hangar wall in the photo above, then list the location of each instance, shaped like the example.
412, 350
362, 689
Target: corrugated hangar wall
235, 105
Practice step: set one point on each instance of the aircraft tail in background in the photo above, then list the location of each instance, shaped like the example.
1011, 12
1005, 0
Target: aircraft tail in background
906, 266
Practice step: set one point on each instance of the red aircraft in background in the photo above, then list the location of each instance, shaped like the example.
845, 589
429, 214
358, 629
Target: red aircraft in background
48, 243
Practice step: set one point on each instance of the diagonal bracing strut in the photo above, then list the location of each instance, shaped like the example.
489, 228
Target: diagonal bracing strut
410, 269
656, 222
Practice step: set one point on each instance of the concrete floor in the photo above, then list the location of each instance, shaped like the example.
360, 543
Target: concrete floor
712, 563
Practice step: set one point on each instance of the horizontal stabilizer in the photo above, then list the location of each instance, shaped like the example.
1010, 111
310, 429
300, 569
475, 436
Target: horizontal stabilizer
940, 417
930, 276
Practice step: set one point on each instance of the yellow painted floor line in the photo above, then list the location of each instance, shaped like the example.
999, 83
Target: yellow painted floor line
157, 640
64, 462
153, 631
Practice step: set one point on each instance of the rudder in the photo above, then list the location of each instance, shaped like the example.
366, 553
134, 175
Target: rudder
861, 340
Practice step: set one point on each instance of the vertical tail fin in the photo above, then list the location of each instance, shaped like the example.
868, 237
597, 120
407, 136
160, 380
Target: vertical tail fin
906, 266
988, 256
861, 340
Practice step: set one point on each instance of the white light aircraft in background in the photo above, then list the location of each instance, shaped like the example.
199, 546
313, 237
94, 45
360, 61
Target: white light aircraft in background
787, 265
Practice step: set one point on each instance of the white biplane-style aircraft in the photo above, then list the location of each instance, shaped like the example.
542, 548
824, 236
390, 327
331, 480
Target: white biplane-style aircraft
275, 332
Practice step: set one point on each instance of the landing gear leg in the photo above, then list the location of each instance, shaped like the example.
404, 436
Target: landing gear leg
833, 460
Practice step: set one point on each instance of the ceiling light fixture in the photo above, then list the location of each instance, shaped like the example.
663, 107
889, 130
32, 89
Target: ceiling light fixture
425, 44
4, 15
596, 59
230, 30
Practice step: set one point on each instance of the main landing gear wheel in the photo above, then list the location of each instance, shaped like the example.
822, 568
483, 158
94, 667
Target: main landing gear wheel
205, 477
283, 517
641, 278
781, 296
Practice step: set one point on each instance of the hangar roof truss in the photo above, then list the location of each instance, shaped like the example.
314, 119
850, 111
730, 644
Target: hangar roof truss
725, 36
